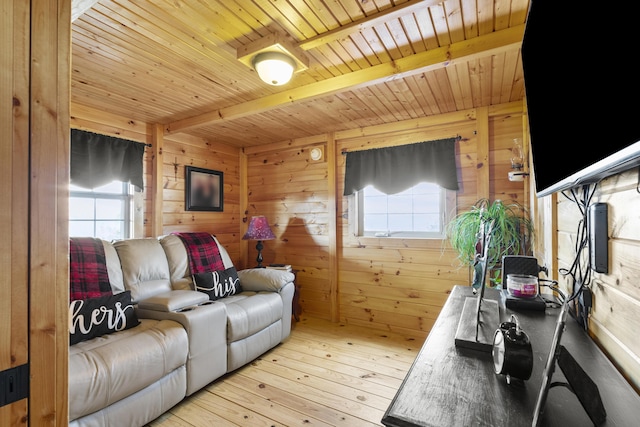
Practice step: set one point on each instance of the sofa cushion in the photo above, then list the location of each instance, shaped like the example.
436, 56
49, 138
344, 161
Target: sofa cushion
247, 349
218, 284
107, 369
178, 261
145, 269
178, 300
141, 407
113, 268
264, 279
250, 312
94, 317
88, 276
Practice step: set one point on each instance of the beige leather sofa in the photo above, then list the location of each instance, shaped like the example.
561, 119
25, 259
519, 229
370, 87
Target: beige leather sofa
184, 340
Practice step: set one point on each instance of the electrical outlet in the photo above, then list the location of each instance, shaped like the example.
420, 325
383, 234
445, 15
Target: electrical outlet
584, 308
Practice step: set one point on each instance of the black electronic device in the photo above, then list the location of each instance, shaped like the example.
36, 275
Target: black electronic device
598, 237
578, 382
602, 141
520, 264
524, 265
511, 352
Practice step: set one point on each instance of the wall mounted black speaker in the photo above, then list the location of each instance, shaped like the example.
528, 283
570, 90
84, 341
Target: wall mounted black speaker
599, 237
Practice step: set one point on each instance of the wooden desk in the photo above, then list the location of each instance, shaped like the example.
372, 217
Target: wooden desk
450, 386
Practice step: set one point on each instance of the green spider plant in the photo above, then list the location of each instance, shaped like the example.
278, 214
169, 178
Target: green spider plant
512, 232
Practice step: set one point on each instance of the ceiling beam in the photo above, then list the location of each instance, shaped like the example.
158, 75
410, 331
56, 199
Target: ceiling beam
368, 22
490, 44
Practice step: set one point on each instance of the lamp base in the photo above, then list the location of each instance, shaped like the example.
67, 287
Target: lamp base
259, 248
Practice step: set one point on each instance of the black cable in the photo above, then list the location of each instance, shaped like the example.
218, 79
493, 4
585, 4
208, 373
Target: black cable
553, 285
580, 272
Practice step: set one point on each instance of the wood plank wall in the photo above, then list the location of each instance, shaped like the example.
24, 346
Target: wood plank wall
34, 124
291, 190
401, 284
381, 283
48, 212
615, 315
224, 225
177, 152
14, 178
386, 284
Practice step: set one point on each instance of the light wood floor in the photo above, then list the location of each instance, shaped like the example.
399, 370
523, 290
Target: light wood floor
324, 374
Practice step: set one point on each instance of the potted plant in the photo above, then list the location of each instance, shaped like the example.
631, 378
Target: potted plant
511, 234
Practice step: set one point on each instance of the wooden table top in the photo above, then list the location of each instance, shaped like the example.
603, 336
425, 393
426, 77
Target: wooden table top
451, 386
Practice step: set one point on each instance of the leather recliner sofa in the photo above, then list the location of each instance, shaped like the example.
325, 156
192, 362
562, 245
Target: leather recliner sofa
184, 340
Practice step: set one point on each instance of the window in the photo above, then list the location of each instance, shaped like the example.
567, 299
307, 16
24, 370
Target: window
104, 212
418, 212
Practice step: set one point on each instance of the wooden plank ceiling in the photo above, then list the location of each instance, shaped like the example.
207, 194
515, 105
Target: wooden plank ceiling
371, 62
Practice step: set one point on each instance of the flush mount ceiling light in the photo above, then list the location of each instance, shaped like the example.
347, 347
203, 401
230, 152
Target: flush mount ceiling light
274, 57
274, 68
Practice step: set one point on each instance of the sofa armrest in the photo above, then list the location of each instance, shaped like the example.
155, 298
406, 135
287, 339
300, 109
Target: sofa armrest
264, 279
173, 301
206, 326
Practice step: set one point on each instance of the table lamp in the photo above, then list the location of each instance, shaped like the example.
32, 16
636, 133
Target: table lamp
259, 230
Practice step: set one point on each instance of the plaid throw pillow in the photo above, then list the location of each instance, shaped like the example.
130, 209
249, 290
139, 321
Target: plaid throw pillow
88, 277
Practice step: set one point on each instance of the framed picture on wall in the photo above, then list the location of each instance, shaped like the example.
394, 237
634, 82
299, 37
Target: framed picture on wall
203, 189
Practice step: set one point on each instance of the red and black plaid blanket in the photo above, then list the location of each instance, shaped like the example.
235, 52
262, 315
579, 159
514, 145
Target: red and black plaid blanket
204, 255
88, 276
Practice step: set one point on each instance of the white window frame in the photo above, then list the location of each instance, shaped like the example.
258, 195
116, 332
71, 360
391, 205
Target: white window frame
356, 212
127, 196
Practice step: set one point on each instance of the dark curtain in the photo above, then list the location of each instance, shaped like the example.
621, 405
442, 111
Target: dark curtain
97, 160
395, 169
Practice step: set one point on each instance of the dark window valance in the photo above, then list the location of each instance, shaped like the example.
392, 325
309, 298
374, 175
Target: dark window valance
97, 160
395, 169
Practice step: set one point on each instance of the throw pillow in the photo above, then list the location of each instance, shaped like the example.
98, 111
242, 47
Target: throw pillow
94, 317
218, 284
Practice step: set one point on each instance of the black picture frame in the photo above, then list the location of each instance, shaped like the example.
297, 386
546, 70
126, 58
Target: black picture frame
204, 189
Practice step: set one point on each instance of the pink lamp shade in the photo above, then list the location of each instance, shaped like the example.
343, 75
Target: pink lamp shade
259, 230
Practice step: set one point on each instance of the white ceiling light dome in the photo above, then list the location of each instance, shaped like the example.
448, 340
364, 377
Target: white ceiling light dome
274, 68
